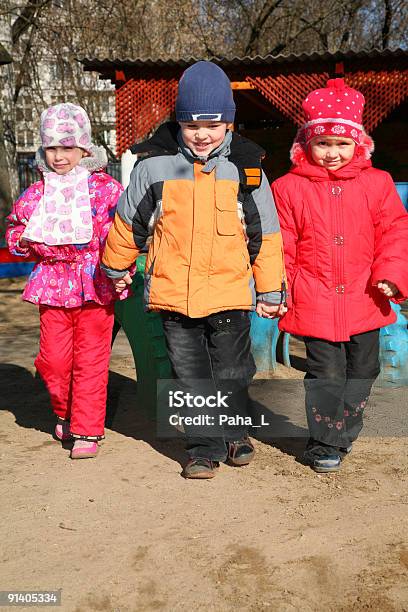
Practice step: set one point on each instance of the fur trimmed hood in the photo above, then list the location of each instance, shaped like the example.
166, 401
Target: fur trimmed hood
97, 160
298, 151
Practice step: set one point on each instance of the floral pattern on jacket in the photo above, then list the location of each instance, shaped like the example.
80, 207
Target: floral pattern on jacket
67, 276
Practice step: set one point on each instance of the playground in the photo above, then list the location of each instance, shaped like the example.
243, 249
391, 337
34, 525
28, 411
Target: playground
125, 532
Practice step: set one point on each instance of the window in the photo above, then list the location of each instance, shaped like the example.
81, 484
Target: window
29, 138
20, 138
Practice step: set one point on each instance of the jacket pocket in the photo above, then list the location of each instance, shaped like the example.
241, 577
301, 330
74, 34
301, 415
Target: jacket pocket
155, 256
292, 288
247, 261
227, 218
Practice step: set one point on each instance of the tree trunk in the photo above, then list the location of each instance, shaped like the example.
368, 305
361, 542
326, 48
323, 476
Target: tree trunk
6, 196
386, 29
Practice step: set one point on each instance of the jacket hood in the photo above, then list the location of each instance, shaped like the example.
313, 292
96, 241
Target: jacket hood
163, 141
97, 160
303, 166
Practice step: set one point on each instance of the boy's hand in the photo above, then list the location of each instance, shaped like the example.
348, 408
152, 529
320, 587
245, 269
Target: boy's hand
121, 283
270, 311
23, 243
387, 288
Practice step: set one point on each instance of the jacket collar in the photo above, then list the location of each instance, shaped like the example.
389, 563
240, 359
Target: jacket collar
210, 162
243, 153
318, 173
165, 141
96, 161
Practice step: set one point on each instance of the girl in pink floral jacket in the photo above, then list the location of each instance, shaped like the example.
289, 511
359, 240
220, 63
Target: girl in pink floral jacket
63, 220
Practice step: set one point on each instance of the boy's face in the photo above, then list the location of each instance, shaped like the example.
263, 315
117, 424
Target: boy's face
63, 159
332, 153
202, 137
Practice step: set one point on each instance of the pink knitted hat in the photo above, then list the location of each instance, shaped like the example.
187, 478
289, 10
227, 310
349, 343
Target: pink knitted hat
335, 110
65, 125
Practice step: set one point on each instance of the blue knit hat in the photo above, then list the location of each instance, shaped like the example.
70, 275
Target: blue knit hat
204, 94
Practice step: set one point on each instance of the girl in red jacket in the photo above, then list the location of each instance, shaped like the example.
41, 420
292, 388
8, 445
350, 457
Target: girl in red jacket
345, 235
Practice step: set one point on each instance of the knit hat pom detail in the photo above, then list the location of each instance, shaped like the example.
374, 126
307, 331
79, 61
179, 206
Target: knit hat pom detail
337, 84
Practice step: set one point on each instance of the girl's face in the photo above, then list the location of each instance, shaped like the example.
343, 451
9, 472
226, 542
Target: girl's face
202, 137
332, 152
63, 159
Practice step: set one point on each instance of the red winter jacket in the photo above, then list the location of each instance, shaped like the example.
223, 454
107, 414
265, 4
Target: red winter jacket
343, 232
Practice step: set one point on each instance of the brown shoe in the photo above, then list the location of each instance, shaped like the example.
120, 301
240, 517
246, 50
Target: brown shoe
200, 468
241, 452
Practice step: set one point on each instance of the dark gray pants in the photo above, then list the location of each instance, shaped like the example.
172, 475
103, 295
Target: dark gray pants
338, 384
212, 354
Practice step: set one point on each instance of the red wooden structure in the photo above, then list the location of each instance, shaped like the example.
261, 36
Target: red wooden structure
146, 89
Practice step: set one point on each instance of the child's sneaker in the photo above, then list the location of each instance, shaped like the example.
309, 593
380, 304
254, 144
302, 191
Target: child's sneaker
321, 457
240, 452
200, 468
326, 463
84, 449
62, 431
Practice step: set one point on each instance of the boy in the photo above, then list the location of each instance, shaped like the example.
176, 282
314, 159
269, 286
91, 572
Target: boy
215, 254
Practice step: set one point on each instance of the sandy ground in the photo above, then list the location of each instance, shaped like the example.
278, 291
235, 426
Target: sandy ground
125, 532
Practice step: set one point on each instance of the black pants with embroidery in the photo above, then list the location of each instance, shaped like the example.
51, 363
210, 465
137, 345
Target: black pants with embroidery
338, 383
209, 355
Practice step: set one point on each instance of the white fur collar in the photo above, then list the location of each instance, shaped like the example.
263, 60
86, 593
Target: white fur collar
97, 160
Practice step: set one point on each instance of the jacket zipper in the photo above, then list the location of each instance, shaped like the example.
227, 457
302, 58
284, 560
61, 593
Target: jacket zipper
338, 239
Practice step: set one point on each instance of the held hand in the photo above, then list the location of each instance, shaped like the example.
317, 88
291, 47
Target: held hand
387, 288
270, 311
121, 283
23, 243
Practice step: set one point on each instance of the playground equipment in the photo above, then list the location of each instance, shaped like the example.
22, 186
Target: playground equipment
264, 341
394, 351
12, 265
146, 338
394, 338
402, 189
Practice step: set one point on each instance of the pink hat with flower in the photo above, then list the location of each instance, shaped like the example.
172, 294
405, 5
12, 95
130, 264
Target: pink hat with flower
334, 110
65, 125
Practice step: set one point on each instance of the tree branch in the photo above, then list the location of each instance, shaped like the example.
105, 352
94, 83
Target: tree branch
26, 18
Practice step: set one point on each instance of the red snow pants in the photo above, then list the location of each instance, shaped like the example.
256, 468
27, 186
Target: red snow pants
75, 347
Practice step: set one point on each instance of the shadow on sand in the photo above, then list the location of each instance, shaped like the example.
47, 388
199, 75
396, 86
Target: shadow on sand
25, 396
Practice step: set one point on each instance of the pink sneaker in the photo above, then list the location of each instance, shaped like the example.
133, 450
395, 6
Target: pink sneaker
62, 431
84, 449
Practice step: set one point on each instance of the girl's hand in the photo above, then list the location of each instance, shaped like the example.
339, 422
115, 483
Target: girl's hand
121, 283
387, 288
270, 311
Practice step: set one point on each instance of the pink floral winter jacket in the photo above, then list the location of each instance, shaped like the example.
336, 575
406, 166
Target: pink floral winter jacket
67, 276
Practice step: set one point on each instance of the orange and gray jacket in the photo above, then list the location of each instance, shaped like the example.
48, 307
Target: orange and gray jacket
212, 227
